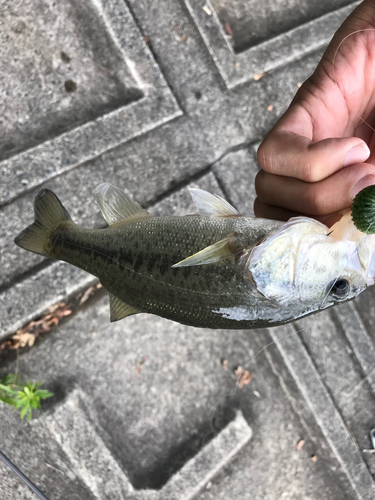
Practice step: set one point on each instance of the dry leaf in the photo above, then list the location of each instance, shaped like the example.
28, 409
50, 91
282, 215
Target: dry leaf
207, 10
138, 364
87, 294
314, 458
243, 376
7, 344
228, 29
258, 76
224, 364
27, 334
300, 444
22, 339
270, 107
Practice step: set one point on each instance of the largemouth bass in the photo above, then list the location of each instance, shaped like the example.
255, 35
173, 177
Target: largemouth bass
217, 269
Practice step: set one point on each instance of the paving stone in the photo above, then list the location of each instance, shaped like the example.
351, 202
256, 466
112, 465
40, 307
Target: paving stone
238, 68
249, 23
359, 339
338, 369
12, 487
28, 299
33, 450
87, 452
330, 420
158, 414
71, 427
130, 97
236, 172
179, 106
198, 472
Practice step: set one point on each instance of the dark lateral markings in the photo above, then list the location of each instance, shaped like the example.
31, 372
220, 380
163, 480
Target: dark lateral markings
125, 257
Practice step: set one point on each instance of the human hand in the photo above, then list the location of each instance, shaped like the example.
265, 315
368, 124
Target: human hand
313, 159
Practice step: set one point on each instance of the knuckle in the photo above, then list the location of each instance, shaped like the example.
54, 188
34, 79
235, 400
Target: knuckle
307, 172
310, 170
315, 200
265, 156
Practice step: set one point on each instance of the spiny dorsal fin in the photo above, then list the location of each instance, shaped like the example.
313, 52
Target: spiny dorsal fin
116, 205
209, 255
119, 309
211, 204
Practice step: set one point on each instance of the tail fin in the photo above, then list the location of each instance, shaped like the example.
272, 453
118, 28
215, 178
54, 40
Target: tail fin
49, 211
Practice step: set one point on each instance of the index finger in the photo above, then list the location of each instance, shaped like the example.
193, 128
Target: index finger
285, 153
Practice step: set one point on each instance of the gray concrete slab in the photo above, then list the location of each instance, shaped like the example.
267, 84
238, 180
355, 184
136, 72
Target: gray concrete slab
154, 98
156, 417
239, 66
73, 125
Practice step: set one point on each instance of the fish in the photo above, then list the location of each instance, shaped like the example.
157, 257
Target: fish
214, 269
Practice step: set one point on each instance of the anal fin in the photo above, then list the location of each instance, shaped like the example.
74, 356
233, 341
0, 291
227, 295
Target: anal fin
120, 309
209, 255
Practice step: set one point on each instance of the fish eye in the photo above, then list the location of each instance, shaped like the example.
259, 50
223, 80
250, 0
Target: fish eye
340, 289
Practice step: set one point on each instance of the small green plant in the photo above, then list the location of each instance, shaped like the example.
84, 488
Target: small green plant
22, 396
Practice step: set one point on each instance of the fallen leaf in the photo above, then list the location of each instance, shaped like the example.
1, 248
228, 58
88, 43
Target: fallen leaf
27, 334
243, 376
300, 444
5, 345
258, 76
207, 10
138, 364
228, 29
224, 364
22, 339
314, 458
270, 107
87, 294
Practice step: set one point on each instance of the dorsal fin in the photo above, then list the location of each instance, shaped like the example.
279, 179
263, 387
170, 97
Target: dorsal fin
211, 204
116, 205
119, 308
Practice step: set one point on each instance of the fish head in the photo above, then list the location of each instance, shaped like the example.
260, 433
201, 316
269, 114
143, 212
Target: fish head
304, 268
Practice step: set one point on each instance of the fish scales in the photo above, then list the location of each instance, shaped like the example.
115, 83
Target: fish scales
147, 279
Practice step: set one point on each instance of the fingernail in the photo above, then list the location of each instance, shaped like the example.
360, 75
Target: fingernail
368, 180
358, 154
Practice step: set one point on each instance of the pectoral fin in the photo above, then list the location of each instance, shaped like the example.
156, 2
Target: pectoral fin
209, 255
211, 204
119, 309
